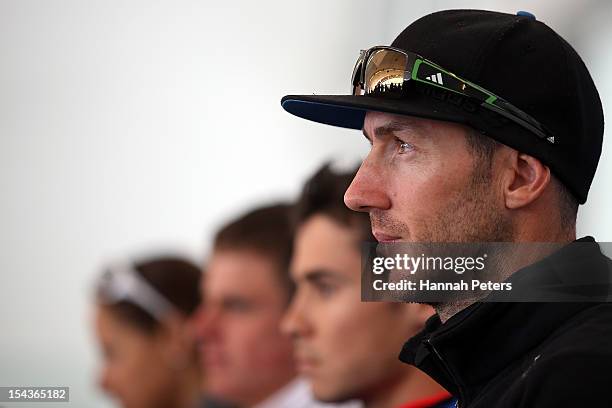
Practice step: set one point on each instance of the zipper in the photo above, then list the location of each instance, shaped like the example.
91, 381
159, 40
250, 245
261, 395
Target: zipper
446, 368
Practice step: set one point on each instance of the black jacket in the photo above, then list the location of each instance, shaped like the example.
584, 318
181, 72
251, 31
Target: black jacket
519, 355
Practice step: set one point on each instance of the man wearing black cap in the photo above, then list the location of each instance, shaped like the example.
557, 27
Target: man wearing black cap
487, 127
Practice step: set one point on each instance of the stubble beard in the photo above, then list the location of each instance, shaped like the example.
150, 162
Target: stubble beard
471, 215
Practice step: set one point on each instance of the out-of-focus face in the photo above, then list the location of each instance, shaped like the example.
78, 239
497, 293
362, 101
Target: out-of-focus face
245, 356
420, 183
346, 348
135, 369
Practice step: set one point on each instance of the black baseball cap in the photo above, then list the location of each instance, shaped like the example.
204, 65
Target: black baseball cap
514, 56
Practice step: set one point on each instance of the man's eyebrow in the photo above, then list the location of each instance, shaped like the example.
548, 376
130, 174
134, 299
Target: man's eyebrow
233, 299
318, 275
396, 126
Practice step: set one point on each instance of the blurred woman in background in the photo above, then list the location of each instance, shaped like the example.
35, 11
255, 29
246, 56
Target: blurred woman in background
142, 324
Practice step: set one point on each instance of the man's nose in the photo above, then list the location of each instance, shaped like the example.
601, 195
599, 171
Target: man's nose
208, 323
293, 323
104, 380
367, 191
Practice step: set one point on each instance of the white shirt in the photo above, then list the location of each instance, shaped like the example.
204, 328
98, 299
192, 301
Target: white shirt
297, 394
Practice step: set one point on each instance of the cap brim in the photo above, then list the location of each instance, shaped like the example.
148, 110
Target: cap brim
348, 111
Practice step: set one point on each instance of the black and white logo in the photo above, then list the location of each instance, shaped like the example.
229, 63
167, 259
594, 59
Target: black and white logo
437, 78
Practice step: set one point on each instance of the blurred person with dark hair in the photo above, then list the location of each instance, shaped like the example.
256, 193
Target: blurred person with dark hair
246, 291
142, 324
346, 348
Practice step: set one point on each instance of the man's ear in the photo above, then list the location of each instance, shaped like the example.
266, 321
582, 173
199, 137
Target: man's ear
525, 179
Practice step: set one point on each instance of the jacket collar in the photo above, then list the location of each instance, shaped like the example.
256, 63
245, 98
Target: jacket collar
474, 345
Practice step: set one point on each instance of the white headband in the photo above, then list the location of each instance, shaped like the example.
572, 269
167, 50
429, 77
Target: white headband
123, 283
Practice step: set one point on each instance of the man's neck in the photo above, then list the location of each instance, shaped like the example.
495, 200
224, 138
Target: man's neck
520, 257
188, 392
273, 396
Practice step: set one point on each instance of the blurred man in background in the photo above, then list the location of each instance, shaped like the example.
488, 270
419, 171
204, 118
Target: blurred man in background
348, 349
246, 291
142, 324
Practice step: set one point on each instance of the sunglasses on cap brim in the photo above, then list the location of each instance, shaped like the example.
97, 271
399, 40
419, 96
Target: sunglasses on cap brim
393, 73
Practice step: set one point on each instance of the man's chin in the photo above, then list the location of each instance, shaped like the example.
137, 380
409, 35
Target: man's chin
330, 396
334, 392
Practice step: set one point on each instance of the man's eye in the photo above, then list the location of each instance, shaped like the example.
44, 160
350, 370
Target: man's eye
236, 306
325, 289
108, 353
404, 147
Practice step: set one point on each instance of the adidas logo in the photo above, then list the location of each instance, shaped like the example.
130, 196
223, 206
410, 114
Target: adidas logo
437, 78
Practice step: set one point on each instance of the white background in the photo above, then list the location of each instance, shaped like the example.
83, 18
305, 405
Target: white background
129, 127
